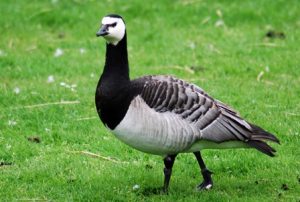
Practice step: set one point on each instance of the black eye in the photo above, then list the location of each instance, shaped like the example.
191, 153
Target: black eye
113, 24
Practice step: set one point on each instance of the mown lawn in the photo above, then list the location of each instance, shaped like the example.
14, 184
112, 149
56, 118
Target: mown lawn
51, 60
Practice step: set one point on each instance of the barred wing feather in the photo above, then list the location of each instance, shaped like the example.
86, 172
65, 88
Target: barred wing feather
216, 121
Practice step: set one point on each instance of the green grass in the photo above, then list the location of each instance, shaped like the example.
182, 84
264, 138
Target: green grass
164, 37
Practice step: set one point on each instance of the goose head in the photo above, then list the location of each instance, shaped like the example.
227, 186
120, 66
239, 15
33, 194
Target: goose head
112, 29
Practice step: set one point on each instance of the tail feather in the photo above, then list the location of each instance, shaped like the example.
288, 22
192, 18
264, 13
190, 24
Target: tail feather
239, 129
262, 146
263, 137
261, 134
258, 137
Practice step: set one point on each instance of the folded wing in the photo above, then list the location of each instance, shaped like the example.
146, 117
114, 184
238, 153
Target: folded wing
216, 121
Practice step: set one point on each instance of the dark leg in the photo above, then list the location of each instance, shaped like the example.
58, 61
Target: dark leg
169, 161
207, 183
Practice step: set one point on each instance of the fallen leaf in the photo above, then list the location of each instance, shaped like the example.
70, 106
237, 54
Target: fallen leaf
135, 187
17, 90
2, 53
219, 13
35, 139
3, 163
12, 123
259, 76
82, 50
58, 52
219, 23
50, 79
275, 34
284, 187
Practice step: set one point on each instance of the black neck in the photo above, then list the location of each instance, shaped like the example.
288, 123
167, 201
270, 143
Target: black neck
116, 63
113, 93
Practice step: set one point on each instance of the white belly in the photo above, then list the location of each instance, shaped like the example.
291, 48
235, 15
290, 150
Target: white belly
158, 133
204, 144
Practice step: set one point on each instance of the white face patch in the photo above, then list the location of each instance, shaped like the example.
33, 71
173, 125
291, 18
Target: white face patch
115, 33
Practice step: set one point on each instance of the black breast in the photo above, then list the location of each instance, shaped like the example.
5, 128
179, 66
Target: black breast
113, 100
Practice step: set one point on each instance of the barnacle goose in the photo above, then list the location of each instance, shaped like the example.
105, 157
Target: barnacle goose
164, 115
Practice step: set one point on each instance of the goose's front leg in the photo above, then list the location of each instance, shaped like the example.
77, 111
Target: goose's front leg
169, 162
207, 182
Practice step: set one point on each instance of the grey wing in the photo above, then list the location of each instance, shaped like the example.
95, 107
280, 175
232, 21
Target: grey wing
216, 121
